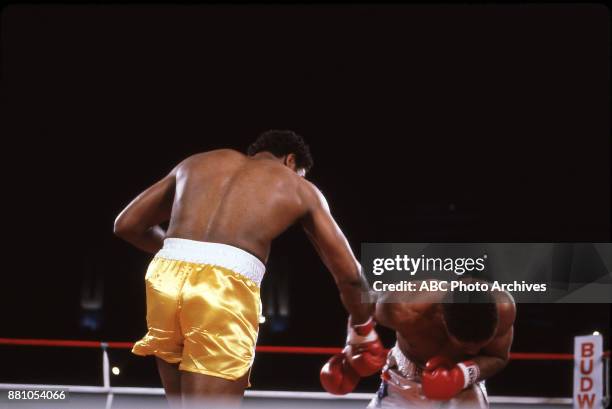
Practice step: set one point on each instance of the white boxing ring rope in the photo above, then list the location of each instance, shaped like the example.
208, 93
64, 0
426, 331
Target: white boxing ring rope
111, 391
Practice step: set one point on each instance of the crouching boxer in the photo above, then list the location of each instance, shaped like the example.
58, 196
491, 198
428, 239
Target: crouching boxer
444, 350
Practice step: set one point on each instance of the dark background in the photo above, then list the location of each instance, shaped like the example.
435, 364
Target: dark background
427, 124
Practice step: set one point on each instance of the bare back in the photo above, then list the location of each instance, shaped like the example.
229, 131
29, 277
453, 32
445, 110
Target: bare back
226, 197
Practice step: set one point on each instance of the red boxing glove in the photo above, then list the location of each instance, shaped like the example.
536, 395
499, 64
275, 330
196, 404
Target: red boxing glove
337, 376
364, 351
442, 379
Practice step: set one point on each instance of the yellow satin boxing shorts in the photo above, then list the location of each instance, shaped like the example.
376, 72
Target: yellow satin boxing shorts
203, 307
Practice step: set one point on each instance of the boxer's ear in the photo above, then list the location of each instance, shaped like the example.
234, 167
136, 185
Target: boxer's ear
290, 161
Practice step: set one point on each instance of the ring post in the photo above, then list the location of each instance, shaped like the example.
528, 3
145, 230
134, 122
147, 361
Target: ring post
606, 399
106, 375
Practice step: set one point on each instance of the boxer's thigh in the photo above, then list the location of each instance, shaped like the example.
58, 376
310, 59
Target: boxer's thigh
472, 397
394, 398
219, 317
164, 337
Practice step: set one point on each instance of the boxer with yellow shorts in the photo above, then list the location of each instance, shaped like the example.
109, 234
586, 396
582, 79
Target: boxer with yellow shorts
224, 209
203, 307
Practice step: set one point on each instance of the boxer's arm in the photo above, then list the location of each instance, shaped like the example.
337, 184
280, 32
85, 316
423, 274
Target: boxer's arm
494, 357
139, 222
336, 254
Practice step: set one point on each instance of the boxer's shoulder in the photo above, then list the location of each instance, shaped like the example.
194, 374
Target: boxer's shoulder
400, 315
310, 188
505, 302
506, 311
311, 194
213, 157
217, 153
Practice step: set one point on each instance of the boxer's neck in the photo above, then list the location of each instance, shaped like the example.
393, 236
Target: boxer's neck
268, 156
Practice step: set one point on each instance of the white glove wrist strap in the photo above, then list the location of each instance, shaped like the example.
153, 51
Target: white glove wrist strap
354, 338
471, 372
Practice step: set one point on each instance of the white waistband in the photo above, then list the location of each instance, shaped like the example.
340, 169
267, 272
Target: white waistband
407, 369
404, 365
223, 255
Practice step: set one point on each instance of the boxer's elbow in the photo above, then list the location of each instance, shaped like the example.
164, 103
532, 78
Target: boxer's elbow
504, 363
501, 363
491, 365
498, 366
504, 360
123, 227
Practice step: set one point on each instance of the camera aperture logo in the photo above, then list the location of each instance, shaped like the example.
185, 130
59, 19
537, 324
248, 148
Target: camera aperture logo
413, 265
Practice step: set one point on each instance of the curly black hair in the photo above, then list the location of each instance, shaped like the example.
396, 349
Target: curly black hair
281, 143
474, 320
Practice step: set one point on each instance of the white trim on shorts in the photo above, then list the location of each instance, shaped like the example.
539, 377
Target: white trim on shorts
223, 255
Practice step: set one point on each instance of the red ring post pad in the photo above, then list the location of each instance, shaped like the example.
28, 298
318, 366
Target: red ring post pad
274, 349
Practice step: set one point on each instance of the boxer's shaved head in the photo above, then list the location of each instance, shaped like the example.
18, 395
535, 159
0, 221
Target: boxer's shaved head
281, 143
473, 321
